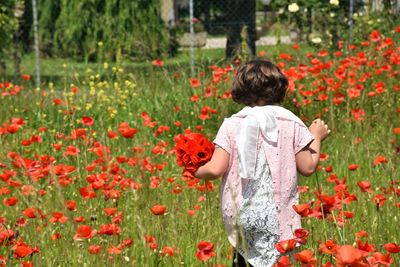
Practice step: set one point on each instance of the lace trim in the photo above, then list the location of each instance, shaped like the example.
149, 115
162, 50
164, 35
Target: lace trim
258, 217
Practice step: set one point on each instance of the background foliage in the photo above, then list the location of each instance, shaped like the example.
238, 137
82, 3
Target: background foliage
74, 28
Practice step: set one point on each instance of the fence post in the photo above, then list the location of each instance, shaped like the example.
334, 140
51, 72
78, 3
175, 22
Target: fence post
351, 7
191, 37
36, 37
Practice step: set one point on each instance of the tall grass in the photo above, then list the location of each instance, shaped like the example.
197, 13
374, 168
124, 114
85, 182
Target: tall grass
134, 174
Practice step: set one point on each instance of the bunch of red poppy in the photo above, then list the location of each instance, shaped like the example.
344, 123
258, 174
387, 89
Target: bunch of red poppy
192, 151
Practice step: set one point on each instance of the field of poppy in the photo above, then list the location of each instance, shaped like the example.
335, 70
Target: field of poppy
89, 175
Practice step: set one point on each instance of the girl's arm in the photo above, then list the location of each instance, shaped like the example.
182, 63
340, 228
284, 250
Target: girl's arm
216, 167
308, 158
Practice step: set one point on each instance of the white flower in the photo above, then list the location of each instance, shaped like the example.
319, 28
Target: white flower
334, 2
316, 40
293, 7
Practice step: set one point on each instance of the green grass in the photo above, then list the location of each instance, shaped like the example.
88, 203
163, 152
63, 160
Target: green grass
56, 69
113, 96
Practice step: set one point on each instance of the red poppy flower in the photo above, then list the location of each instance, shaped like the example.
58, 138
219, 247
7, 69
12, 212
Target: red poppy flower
353, 167
365, 186
380, 259
55, 236
6, 236
126, 243
301, 235
285, 246
57, 146
158, 209
114, 250
71, 151
10, 201
194, 98
170, 251
261, 53
323, 156
74, 89
71, 205
357, 140
329, 247
328, 169
87, 192
110, 211
26, 77
358, 114
26, 264
361, 234
110, 229
379, 200
302, 209
94, 249
191, 212
192, 150
149, 239
157, 62
111, 134
365, 246
57, 101
84, 232
283, 261
392, 247
79, 219
347, 255
3, 261
88, 121
126, 131
161, 129
58, 217
375, 36
305, 258
153, 246
302, 188
22, 250
205, 250
194, 82
30, 213
4, 190
379, 159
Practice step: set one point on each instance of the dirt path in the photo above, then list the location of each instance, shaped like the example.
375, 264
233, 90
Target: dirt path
269, 40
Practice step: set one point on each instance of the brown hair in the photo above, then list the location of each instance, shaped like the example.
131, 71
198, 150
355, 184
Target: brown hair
259, 80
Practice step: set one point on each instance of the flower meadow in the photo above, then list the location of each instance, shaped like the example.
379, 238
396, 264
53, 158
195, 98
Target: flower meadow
89, 173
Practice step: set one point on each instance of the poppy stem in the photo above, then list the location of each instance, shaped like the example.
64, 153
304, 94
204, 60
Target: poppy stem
338, 229
322, 209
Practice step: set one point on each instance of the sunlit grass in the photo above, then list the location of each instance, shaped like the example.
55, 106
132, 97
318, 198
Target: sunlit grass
112, 94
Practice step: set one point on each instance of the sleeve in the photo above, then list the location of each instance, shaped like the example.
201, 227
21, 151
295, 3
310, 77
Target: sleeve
302, 136
223, 139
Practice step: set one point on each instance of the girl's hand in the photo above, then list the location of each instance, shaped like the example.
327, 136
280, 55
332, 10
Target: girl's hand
319, 129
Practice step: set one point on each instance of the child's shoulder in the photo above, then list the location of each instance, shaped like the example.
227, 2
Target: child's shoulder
231, 122
282, 113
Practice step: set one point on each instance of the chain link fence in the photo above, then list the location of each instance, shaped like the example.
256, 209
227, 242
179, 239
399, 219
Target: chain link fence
266, 21
139, 30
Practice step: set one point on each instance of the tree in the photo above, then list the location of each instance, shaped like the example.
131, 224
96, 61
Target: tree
240, 14
7, 28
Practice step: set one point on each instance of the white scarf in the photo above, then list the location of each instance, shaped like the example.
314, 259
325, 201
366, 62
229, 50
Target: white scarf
256, 120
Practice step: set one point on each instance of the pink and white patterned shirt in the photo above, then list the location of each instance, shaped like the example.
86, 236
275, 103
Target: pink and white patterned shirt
293, 136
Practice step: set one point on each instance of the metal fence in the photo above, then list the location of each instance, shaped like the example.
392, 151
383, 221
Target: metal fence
230, 23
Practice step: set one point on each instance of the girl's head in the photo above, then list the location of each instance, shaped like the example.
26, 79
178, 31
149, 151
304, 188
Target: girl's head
259, 82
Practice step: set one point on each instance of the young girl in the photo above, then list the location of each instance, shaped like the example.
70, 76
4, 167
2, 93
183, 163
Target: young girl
258, 152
